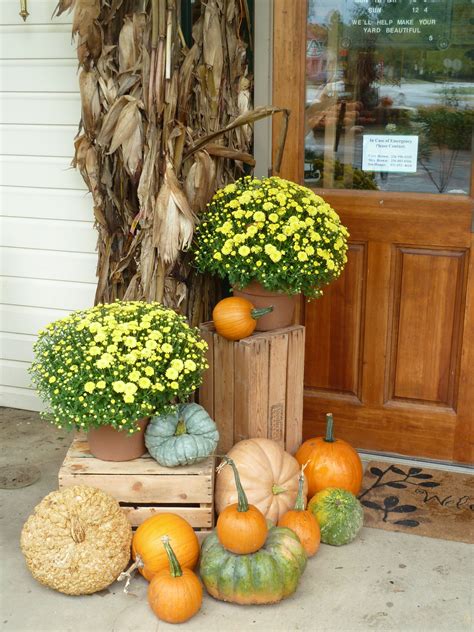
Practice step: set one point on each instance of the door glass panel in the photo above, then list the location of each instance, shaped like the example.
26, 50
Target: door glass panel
390, 95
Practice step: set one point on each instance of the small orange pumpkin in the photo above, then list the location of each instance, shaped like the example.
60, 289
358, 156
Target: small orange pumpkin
302, 521
235, 318
174, 594
241, 528
332, 462
147, 547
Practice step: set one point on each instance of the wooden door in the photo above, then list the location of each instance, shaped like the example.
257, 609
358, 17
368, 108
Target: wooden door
390, 346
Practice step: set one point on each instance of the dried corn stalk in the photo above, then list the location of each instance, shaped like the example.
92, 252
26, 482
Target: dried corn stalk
162, 127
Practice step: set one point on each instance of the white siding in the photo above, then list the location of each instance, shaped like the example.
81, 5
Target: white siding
47, 239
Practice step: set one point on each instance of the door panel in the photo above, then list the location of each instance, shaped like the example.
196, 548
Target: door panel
390, 346
338, 327
423, 363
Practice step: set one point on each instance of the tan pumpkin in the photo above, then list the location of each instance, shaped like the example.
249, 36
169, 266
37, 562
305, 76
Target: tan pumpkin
268, 474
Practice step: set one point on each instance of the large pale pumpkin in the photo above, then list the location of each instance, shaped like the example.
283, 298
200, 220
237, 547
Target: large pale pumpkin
268, 474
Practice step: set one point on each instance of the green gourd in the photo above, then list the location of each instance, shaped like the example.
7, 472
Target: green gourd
266, 576
185, 436
339, 514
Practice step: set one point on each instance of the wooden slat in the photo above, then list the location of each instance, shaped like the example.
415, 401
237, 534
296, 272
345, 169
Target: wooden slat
47, 264
80, 461
258, 388
198, 517
17, 319
34, 108
206, 391
36, 171
38, 140
16, 347
224, 392
294, 390
28, 41
43, 203
146, 488
46, 234
277, 374
243, 358
49, 294
38, 75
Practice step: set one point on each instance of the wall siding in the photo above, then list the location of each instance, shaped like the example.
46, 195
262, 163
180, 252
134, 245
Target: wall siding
47, 238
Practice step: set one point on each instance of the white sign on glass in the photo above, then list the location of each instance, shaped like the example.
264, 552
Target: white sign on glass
382, 152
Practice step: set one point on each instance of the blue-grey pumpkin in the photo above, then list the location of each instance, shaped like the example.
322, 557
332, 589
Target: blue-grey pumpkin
187, 435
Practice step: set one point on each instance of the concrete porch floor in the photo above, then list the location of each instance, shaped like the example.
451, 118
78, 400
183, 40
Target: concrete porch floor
381, 581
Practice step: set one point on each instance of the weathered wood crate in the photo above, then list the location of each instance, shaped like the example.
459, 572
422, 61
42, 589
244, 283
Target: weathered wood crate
254, 387
143, 487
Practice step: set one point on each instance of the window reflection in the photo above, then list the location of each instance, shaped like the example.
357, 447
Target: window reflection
401, 74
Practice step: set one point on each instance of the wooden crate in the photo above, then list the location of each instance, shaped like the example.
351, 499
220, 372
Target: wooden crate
254, 387
144, 488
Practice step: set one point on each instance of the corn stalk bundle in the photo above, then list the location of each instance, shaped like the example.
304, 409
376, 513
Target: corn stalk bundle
163, 125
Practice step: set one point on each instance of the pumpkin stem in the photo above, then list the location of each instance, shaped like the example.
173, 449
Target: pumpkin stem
299, 504
329, 428
175, 568
137, 564
243, 503
180, 428
257, 313
278, 489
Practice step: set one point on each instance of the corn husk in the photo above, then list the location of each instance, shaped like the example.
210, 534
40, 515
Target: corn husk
162, 127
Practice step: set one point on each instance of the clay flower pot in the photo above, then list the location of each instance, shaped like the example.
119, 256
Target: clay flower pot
283, 305
108, 444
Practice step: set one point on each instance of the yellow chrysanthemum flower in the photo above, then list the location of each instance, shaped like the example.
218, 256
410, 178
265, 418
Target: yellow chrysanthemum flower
171, 373
244, 251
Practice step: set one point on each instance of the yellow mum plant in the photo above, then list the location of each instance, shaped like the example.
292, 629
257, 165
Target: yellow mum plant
272, 231
114, 364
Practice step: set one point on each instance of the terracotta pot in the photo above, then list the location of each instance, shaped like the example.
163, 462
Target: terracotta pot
108, 444
283, 305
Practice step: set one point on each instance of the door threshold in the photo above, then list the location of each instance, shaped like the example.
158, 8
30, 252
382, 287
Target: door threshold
446, 466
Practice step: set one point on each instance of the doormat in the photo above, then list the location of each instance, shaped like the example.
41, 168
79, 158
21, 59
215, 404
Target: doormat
432, 503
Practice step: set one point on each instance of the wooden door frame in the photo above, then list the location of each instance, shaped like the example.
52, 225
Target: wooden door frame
288, 91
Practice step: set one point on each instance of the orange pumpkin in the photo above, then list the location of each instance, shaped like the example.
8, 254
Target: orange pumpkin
147, 547
302, 522
235, 318
241, 528
331, 462
174, 594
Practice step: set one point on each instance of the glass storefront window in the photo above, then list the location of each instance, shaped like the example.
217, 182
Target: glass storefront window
390, 95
